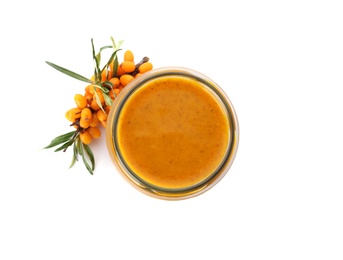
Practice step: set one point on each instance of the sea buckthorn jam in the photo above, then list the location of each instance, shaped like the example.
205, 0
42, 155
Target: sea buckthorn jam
172, 133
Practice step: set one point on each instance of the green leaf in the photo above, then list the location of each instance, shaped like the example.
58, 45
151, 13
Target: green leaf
99, 86
65, 145
118, 45
79, 148
108, 84
113, 43
90, 155
105, 47
60, 139
97, 60
69, 72
98, 101
73, 161
108, 99
106, 87
96, 75
96, 67
75, 154
89, 168
113, 56
115, 66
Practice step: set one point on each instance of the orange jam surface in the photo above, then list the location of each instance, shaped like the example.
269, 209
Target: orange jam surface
172, 132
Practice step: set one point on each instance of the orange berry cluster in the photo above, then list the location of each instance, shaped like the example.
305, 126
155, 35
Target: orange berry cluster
91, 108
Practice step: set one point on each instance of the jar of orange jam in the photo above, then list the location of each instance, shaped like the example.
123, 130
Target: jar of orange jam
172, 133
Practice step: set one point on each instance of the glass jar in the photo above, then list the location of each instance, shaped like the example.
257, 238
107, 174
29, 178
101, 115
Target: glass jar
172, 133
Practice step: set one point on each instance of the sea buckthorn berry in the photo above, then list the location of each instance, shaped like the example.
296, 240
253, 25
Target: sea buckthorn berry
138, 74
84, 123
128, 56
146, 66
71, 119
116, 92
86, 137
86, 117
128, 66
88, 97
115, 82
73, 114
106, 75
101, 115
86, 113
80, 101
107, 109
95, 120
111, 94
90, 89
126, 79
94, 105
120, 71
104, 123
94, 132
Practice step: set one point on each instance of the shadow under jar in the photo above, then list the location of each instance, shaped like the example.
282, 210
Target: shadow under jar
172, 133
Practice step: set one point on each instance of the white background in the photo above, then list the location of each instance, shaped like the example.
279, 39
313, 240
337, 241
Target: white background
281, 64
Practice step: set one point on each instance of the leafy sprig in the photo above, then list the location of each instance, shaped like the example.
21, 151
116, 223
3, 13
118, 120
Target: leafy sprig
72, 138
97, 82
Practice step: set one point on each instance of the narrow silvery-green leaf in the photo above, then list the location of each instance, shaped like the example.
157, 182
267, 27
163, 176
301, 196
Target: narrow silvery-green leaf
106, 72
96, 69
113, 43
69, 72
103, 89
74, 158
105, 47
85, 160
108, 84
98, 60
79, 144
96, 75
97, 99
115, 65
93, 49
116, 46
108, 99
99, 86
75, 148
120, 43
90, 155
60, 139
73, 161
113, 56
65, 145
